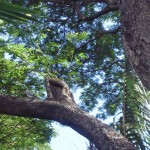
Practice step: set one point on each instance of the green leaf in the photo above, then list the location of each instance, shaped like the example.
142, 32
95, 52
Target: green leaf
82, 55
9, 15
15, 8
23, 16
7, 19
53, 44
14, 12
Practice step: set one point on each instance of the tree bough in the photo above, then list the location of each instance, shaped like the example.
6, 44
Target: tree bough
104, 137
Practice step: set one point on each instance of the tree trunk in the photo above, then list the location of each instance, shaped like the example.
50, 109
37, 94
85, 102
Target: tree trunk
67, 113
135, 20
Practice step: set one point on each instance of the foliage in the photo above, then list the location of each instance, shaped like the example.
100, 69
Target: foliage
11, 12
137, 114
23, 133
16, 77
135, 121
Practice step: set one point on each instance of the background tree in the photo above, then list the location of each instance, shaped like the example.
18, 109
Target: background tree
20, 133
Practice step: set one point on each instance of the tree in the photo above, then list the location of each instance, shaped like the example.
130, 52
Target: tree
53, 110
21, 133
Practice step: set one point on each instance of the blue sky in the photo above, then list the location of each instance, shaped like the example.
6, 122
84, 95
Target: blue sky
68, 139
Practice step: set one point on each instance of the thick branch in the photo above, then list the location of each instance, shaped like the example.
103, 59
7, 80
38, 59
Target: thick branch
112, 5
105, 32
101, 33
69, 114
106, 10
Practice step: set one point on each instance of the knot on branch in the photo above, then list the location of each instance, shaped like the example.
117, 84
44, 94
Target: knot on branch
58, 90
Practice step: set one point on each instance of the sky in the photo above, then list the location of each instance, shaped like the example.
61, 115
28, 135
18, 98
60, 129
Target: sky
68, 139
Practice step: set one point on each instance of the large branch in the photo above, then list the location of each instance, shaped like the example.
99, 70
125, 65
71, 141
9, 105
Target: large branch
99, 34
106, 10
68, 114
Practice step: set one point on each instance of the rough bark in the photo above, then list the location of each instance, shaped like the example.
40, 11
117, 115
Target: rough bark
135, 20
67, 113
